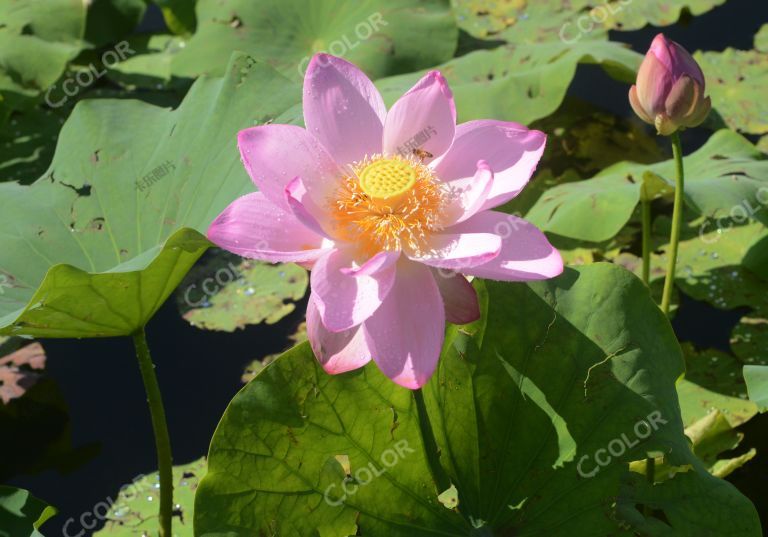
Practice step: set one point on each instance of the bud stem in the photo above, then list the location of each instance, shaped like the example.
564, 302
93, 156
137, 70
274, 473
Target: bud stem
677, 218
646, 209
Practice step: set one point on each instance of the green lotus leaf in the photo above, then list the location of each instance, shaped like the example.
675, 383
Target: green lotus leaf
696, 402
179, 15
520, 21
150, 66
21, 514
756, 377
736, 80
37, 39
227, 292
761, 39
95, 246
521, 82
568, 20
299, 452
712, 437
724, 174
380, 36
134, 510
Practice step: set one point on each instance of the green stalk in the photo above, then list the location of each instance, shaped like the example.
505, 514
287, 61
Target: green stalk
646, 207
160, 427
677, 219
441, 478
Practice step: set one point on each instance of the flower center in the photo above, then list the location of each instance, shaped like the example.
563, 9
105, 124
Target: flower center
387, 179
388, 203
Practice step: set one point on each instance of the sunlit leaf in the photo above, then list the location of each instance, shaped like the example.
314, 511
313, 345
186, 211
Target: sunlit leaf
517, 441
521, 82
725, 173
95, 246
381, 36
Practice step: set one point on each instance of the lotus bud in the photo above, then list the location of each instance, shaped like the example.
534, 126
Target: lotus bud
669, 93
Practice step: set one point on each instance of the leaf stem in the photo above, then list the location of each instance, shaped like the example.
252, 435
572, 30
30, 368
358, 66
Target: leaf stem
439, 475
646, 209
677, 218
160, 427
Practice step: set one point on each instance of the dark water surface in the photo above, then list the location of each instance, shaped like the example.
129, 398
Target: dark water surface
199, 371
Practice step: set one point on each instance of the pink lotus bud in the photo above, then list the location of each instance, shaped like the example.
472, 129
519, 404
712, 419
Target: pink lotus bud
670, 88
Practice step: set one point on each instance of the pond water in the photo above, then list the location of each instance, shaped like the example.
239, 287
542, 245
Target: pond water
200, 372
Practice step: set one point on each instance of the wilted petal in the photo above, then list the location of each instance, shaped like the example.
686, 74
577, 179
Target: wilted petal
343, 109
459, 297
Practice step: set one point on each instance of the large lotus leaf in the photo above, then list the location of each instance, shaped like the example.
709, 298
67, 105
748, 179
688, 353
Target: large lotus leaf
37, 39
21, 514
725, 173
150, 66
736, 81
516, 441
226, 292
133, 513
570, 20
521, 82
381, 36
95, 246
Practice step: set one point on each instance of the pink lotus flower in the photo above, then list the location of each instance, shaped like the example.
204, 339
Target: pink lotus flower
670, 88
389, 209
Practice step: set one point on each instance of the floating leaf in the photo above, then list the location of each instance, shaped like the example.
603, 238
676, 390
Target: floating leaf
37, 39
736, 80
380, 36
95, 246
725, 173
134, 512
761, 39
519, 83
21, 514
633, 15
568, 20
228, 292
517, 441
